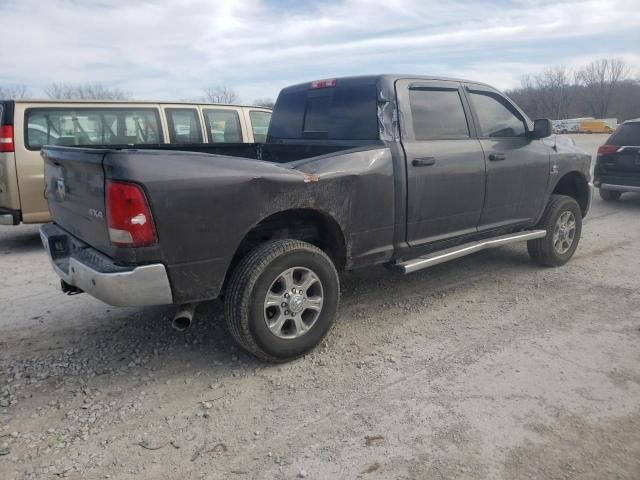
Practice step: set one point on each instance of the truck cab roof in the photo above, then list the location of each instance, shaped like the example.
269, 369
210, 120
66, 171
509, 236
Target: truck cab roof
389, 79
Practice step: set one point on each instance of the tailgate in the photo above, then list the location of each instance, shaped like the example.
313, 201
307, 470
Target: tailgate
626, 159
74, 188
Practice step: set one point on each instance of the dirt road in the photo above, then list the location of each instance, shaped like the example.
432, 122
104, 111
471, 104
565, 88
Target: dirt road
486, 367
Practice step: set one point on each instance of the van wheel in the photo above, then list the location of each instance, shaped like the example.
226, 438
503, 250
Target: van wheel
282, 299
609, 195
562, 220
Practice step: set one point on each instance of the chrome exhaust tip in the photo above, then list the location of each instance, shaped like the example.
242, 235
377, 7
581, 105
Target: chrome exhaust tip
183, 317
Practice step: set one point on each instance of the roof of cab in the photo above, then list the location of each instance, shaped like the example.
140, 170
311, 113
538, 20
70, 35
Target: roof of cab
390, 78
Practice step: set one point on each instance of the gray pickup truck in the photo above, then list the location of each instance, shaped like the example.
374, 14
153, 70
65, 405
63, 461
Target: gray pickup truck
404, 171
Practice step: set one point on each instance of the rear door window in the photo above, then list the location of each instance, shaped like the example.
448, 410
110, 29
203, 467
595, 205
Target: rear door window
496, 116
627, 134
223, 125
184, 125
259, 125
437, 114
89, 126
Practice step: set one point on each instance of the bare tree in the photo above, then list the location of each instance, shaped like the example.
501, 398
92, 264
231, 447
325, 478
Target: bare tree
264, 102
600, 80
527, 96
625, 104
13, 91
554, 85
548, 94
600, 89
84, 91
221, 94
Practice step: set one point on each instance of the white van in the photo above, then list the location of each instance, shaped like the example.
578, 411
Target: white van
27, 125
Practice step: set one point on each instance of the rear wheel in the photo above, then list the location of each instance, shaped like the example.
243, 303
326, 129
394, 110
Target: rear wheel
282, 299
609, 195
562, 220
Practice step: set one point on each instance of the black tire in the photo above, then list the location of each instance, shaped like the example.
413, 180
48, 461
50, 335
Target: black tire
609, 195
252, 280
543, 250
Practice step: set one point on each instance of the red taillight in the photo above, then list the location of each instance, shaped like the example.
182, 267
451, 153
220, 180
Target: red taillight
329, 83
6, 138
607, 149
128, 215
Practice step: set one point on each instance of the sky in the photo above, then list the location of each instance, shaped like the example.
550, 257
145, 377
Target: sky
172, 49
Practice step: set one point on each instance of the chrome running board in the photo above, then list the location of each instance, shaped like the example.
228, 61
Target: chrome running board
442, 256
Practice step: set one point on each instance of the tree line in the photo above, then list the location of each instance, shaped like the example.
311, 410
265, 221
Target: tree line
603, 88
97, 91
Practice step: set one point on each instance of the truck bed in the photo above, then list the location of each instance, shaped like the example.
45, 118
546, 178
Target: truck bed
187, 186
270, 152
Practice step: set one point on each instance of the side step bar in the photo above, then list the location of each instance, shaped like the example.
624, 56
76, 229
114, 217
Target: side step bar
442, 256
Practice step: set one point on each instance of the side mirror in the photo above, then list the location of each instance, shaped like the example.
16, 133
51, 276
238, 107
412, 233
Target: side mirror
542, 128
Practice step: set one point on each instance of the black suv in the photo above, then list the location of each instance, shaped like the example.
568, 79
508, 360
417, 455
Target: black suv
618, 165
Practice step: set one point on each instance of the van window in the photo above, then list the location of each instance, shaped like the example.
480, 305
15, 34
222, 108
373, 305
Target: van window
259, 125
437, 114
91, 126
184, 125
223, 126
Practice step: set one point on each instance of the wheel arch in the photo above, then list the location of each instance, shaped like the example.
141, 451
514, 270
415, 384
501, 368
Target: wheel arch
316, 227
574, 184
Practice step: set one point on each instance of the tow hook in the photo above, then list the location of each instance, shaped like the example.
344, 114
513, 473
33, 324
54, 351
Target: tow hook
184, 316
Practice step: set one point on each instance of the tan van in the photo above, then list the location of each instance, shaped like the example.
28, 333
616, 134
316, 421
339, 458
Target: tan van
27, 125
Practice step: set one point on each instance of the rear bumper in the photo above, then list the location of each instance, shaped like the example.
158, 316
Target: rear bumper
619, 188
83, 267
621, 181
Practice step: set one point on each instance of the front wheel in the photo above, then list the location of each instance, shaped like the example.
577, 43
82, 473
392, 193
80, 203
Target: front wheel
609, 195
562, 220
282, 299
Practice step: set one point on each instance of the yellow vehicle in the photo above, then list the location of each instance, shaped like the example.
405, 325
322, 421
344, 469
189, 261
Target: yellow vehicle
594, 126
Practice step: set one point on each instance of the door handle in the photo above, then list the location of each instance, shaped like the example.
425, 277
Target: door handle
497, 157
423, 162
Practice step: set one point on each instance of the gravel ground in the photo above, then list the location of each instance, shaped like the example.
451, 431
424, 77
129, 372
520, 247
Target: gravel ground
485, 367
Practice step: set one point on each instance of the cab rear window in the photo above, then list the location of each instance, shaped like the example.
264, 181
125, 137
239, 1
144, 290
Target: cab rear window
87, 126
347, 112
627, 134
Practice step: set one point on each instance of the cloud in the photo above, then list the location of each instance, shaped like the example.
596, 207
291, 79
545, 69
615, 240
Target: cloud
172, 49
